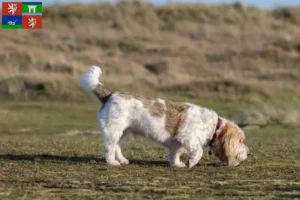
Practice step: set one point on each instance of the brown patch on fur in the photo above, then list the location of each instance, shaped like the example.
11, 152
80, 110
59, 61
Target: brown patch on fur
229, 138
144, 100
176, 114
155, 108
102, 94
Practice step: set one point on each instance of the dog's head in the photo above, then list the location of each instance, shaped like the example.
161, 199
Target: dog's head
229, 145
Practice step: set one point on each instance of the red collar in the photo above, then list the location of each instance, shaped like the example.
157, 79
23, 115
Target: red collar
215, 133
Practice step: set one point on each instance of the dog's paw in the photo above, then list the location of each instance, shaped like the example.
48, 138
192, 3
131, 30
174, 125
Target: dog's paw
124, 161
191, 163
180, 165
113, 163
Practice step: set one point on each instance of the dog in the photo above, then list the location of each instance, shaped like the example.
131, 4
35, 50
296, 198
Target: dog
180, 127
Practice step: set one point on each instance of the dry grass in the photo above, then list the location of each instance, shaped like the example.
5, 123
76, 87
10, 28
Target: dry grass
194, 53
173, 46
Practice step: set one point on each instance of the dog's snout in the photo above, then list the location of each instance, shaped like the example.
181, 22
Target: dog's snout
249, 153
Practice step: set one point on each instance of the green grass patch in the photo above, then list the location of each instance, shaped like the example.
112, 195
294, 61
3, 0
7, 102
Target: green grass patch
38, 161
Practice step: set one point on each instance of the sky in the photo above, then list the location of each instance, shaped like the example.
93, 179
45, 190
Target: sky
267, 4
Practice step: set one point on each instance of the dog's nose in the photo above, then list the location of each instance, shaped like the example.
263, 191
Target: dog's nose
249, 153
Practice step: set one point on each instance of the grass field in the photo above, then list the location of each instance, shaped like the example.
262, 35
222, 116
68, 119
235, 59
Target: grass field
41, 159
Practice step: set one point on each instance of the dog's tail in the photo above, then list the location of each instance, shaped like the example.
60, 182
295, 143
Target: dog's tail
89, 81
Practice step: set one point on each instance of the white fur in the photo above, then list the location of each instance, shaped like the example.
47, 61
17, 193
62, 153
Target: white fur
120, 117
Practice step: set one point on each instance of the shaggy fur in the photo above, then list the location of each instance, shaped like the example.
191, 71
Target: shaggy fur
180, 127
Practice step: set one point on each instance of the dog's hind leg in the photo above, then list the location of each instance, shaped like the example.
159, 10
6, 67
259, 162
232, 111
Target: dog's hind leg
110, 152
120, 157
113, 152
113, 133
174, 153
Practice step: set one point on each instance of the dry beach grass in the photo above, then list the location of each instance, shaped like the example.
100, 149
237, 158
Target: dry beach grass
204, 48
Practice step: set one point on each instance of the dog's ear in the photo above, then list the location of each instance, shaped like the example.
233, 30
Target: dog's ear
229, 138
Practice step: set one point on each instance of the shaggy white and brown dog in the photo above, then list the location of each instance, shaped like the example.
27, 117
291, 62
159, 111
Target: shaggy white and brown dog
181, 127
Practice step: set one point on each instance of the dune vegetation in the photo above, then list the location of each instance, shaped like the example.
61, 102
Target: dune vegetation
228, 51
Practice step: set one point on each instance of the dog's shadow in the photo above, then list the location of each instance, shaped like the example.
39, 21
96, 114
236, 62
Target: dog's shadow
77, 159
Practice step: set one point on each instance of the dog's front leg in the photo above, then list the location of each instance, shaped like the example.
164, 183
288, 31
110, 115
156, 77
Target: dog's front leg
174, 152
174, 158
196, 155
